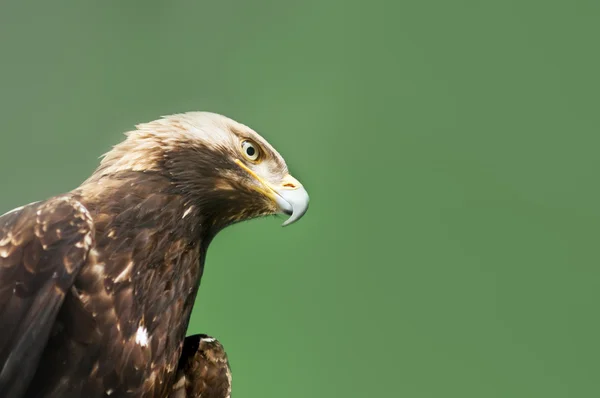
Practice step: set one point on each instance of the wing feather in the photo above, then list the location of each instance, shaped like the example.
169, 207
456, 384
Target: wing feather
203, 370
42, 248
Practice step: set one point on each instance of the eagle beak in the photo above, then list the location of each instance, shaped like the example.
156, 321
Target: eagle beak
292, 199
290, 196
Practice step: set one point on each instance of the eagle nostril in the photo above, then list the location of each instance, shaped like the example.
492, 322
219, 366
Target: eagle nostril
289, 185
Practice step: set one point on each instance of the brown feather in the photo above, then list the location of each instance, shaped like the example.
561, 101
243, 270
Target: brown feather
42, 248
204, 370
97, 287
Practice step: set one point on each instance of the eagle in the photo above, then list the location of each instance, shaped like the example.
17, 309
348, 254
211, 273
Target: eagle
97, 285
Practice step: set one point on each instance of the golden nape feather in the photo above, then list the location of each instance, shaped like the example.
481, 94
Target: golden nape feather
97, 286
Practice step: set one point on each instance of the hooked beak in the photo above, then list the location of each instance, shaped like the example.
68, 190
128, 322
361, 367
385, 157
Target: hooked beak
292, 199
289, 195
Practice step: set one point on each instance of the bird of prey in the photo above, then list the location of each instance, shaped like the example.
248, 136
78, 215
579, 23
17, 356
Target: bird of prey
97, 285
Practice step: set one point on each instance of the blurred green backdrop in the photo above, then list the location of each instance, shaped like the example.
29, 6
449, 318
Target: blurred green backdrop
451, 153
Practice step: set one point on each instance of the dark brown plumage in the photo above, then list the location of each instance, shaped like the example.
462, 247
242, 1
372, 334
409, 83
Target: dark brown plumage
97, 286
204, 369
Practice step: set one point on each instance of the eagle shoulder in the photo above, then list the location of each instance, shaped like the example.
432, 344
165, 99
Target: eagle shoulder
42, 249
203, 370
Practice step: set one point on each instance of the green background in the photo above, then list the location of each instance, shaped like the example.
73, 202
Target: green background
450, 149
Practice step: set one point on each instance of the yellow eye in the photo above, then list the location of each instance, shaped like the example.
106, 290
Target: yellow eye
250, 150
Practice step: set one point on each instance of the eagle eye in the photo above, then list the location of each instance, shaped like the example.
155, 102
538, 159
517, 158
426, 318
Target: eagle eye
251, 151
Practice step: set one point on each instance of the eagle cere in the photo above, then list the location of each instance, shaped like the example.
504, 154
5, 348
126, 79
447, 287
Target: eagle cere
97, 286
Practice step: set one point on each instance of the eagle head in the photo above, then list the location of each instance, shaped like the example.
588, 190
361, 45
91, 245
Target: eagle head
222, 167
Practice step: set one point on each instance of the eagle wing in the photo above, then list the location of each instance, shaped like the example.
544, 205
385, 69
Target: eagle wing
42, 248
203, 370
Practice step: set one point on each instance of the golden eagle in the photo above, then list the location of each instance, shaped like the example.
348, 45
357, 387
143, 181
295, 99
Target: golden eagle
97, 286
